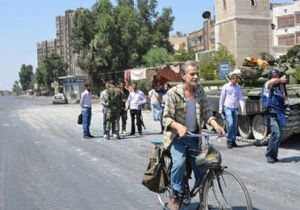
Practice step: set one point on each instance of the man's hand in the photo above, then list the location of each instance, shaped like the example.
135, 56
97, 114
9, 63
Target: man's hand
220, 131
182, 131
217, 128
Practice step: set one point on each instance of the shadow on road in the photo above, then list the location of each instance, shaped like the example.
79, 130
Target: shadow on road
290, 159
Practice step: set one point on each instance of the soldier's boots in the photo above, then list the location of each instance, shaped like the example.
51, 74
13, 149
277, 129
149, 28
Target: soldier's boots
107, 135
118, 135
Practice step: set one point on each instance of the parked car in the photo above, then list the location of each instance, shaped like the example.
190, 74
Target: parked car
60, 98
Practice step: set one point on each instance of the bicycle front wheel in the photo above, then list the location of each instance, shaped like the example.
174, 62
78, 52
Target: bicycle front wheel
225, 190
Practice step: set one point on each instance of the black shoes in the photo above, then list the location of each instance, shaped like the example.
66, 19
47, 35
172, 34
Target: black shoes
107, 135
231, 144
234, 144
89, 136
272, 159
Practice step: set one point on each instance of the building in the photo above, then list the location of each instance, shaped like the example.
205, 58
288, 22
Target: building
179, 42
64, 25
46, 47
62, 44
243, 26
203, 39
286, 26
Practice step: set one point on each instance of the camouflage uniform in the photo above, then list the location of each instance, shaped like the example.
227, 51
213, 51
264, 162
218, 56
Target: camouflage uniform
115, 100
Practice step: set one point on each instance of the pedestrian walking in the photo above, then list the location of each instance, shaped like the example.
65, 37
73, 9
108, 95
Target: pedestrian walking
134, 103
114, 105
230, 100
274, 90
86, 110
186, 107
155, 103
124, 108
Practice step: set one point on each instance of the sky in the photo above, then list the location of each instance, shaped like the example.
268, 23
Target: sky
23, 23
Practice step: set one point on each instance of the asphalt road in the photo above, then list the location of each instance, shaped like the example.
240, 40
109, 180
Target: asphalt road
46, 164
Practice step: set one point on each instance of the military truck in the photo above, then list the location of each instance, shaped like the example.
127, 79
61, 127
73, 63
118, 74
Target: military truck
251, 127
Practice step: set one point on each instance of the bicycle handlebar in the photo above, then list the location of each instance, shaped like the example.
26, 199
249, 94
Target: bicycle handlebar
190, 134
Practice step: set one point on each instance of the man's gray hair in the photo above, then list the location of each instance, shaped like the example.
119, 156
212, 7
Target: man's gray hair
188, 63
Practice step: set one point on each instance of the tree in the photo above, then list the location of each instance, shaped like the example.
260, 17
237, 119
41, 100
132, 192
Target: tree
16, 88
183, 55
209, 64
156, 56
110, 39
26, 76
52, 67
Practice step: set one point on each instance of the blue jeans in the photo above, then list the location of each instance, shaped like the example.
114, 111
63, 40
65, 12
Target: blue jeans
156, 111
178, 155
86, 121
231, 115
274, 140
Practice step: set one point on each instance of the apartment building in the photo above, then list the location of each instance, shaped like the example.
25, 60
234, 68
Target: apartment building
204, 38
179, 42
286, 26
62, 44
64, 25
46, 47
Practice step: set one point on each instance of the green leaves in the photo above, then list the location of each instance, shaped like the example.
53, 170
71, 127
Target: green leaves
51, 68
110, 39
209, 64
26, 76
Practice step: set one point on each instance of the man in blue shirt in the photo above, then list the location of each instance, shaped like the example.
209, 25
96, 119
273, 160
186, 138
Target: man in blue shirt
276, 120
86, 110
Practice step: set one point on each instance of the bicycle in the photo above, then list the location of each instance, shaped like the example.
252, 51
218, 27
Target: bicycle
220, 188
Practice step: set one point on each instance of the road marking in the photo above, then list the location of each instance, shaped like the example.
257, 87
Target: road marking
5, 125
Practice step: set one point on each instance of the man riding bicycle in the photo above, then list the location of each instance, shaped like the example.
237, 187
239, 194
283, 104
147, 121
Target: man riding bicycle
185, 109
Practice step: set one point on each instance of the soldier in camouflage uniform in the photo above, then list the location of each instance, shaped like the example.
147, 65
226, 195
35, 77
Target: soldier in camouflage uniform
124, 109
115, 100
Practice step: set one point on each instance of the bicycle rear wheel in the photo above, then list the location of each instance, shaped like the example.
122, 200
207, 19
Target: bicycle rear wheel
225, 190
164, 197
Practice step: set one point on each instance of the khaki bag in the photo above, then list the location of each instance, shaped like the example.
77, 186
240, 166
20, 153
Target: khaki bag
156, 176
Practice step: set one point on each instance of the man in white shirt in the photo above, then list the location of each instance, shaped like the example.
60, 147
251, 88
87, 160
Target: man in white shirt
86, 110
135, 100
155, 104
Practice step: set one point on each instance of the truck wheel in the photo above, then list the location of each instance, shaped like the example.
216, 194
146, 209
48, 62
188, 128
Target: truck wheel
259, 128
244, 126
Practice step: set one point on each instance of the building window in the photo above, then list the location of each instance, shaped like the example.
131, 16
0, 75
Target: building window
286, 21
287, 40
224, 4
253, 2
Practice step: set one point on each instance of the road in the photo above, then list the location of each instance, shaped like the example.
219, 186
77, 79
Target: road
46, 164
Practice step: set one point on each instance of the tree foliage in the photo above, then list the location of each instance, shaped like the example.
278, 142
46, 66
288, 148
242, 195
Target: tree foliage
209, 63
183, 56
110, 39
16, 88
26, 76
52, 67
156, 56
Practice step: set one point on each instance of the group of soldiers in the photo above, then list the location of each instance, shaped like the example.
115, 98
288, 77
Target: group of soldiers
115, 103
